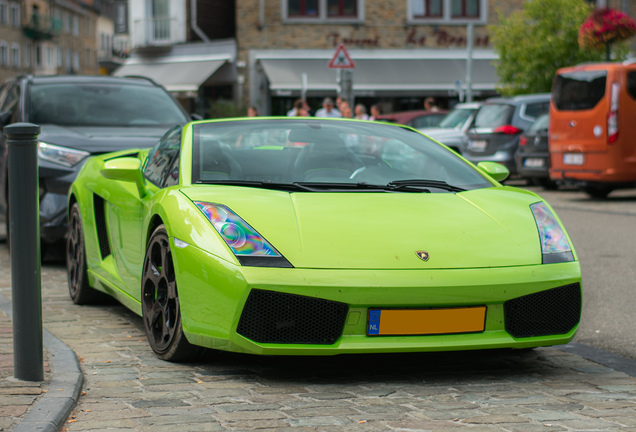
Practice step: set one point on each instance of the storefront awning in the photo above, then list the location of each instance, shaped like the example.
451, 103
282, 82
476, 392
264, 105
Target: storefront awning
381, 71
175, 74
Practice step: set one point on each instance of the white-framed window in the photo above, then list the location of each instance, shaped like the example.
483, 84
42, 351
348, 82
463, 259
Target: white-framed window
447, 11
27, 55
75, 25
4, 12
320, 11
15, 55
67, 22
60, 56
4, 54
76, 61
15, 14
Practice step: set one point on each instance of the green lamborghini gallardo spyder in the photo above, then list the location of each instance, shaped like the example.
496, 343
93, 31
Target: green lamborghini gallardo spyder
309, 236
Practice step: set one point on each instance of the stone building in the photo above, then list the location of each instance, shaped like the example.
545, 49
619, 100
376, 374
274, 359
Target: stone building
404, 50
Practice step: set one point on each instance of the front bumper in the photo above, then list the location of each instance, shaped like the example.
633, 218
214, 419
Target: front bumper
217, 292
55, 182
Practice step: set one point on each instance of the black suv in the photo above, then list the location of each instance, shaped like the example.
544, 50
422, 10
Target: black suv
81, 116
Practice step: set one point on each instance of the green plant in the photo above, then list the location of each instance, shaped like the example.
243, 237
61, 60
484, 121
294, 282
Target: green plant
533, 43
225, 109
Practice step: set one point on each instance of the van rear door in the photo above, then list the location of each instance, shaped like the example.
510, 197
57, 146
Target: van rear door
578, 121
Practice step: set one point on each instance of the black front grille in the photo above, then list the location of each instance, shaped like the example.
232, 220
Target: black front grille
274, 317
551, 312
100, 225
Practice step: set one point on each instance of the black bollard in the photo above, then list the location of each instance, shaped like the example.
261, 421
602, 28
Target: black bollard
24, 215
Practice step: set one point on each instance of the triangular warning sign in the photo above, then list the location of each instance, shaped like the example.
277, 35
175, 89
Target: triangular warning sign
341, 59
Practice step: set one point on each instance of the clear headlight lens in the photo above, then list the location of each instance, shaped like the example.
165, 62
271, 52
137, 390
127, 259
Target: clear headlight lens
554, 244
239, 236
61, 155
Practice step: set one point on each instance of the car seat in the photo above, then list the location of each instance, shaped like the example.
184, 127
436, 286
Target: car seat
217, 164
326, 159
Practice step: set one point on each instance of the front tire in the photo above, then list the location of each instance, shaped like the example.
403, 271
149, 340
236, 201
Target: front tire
160, 302
78, 287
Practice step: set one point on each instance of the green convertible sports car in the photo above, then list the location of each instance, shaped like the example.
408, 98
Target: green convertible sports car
303, 236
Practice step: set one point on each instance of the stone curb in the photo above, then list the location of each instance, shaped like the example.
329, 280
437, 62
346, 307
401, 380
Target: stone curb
606, 358
50, 413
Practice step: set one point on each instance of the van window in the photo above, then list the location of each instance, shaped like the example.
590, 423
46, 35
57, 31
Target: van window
580, 90
494, 115
534, 110
631, 83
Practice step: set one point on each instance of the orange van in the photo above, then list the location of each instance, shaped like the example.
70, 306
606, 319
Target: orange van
593, 127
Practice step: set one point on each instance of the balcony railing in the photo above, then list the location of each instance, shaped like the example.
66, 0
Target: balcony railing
42, 27
155, 32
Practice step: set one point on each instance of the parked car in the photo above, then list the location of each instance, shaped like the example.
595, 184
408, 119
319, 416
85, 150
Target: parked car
498, 125
532, 157
417, 119
451, 131
593, 127
80, 116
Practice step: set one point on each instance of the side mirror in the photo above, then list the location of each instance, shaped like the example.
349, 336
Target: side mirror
126, 169
196, 117
497, 171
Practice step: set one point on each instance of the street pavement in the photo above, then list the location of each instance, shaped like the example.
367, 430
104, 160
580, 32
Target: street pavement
128, 389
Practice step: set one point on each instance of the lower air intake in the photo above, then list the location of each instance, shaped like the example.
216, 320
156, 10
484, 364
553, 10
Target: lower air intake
273, 317
551, 312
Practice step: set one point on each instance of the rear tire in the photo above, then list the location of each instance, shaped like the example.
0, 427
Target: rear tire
80, 291
160, 302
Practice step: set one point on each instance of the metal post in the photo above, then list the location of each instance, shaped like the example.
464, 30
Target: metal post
469, 62
303, 86
24, 208
346, 84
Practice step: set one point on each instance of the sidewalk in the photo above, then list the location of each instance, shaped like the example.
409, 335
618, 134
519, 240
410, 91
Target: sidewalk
129, 389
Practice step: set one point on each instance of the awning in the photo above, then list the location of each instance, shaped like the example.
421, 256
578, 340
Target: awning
174, 74
386, 71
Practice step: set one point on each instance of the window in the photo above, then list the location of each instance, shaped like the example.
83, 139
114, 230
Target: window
4, 12
323, 10
88, 57
631, 83
161, 157
580, 90
75, 26
15, 15
76, 61
426, 8
38, 56
464, 8
534, 110
27, 55
60, 59
4, 54
15, 55
494, 115
50, 57
443, 11
67, 22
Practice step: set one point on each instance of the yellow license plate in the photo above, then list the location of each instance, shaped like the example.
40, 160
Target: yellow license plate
400, 322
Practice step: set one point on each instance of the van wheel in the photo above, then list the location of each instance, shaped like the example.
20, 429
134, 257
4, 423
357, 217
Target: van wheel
547, 183
600, 192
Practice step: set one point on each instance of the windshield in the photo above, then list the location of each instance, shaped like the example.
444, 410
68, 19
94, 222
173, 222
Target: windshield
323, 151
580, 90
494, 115
102, 105
456, 118
540, 124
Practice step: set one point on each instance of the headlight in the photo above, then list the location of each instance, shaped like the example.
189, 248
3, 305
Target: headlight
248, 245
61, 155
554, 244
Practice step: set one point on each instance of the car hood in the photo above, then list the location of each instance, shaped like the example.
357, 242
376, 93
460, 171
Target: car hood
102, 139
491, 227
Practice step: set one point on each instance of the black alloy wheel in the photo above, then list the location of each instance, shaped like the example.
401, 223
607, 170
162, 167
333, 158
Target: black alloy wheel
160, 302
78, 287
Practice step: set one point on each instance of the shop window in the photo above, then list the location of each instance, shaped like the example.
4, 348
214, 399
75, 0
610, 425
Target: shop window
323, 10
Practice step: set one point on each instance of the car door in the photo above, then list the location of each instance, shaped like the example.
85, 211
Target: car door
126, 210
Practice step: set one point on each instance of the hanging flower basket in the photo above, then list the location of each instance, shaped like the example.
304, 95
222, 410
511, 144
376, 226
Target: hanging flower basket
604, 27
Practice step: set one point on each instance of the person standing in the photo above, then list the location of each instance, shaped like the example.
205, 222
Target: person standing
429, 104
292, 112
252, 112
328, 110
361, 112
375, 113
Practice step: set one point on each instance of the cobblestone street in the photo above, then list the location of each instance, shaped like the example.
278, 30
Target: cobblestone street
127, 388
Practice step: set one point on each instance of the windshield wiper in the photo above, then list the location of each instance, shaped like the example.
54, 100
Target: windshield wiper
265, 184
361, 185
439, 184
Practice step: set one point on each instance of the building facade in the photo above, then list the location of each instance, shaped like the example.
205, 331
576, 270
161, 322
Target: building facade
187, 46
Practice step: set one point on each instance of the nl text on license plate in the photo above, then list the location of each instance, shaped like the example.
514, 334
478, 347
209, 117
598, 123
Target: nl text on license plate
573, 158
477, 145
533, 163
435, 321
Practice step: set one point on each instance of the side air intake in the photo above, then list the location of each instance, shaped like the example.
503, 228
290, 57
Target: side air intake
100, 225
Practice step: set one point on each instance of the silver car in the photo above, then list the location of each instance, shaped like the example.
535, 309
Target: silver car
451, 131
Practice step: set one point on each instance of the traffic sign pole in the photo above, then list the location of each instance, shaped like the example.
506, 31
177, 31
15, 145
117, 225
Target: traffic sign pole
342, 62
